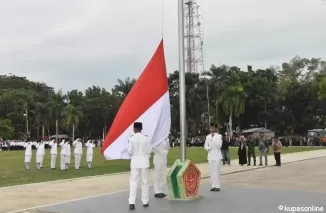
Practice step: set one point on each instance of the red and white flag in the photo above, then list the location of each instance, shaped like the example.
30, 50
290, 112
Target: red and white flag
148, 102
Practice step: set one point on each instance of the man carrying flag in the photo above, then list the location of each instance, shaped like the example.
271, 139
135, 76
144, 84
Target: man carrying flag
139, 149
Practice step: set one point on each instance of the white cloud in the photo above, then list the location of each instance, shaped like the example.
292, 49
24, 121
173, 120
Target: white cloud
77, 43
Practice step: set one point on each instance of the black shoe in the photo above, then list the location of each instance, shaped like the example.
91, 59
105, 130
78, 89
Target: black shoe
132, 206
217, 189
213, 189
163, 195
248, 164
145, 205
260, 164
159, 195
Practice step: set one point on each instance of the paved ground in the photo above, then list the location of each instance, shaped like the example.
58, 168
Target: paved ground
32, 195
297, 184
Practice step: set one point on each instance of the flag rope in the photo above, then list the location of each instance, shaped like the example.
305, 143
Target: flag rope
162, 17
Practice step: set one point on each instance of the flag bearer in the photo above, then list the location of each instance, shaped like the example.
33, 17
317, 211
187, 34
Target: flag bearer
160, 160
140, 150
213, 145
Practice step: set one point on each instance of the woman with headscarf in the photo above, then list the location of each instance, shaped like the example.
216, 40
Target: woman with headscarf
242, 151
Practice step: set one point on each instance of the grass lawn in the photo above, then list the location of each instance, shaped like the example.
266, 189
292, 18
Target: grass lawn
12, 171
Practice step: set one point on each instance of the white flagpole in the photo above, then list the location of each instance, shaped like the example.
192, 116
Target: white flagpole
182, 82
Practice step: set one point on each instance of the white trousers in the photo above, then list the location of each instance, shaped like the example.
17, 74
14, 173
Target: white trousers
53, 160
77, 160
215, 170
159, 177
62, 162
134, 179
39, 161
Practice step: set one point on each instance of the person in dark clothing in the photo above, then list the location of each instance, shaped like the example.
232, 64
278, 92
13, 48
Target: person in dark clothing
225, 151
242, 151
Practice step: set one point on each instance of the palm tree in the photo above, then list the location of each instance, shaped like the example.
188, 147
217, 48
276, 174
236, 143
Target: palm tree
72, 116
56, 108
233, 102
41, 112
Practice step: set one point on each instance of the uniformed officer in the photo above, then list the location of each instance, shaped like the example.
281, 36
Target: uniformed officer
139, 149
251, 143
213, 145
160, 160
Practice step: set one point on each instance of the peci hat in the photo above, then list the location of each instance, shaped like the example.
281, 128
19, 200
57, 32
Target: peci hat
138, 125
214, 125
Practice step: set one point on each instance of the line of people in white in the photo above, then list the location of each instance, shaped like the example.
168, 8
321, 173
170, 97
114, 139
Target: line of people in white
65, 153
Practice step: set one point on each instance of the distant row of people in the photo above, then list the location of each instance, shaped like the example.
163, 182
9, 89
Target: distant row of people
65, 153
263, 147
14, 145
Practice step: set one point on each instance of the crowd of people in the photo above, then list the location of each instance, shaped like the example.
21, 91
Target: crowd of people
65, 152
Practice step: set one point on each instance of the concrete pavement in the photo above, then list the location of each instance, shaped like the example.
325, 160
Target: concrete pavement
45, 193
269, 189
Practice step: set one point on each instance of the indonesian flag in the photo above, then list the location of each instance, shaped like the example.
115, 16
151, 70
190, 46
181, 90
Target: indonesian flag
147, 102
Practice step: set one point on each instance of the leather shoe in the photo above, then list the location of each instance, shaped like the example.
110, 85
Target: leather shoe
212, 189
217, 190
145, 205
158, 195
131, 206
163, 195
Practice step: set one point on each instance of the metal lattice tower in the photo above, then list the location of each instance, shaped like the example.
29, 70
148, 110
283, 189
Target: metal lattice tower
193, 37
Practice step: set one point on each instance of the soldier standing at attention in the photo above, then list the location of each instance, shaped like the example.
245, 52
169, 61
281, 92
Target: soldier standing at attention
213, 145
251, 143
139, 149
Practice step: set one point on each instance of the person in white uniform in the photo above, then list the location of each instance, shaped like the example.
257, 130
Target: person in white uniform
40, 151
78, 151
63, 155
213, 145
28, 153
68, 154
139, 149
160, 160
89, 153
53, 153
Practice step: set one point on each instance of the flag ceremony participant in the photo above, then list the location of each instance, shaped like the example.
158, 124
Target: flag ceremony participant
78, 151
63, 155
40, 151
89, 153
213, 145
53, 153
67, 154
160, 160
139, 149
28, 153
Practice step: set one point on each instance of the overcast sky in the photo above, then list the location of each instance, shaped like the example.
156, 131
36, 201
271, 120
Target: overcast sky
78, 43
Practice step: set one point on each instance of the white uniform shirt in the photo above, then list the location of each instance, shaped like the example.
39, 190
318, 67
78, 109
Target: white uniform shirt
40, 150
54, 147
161, 151
63, 147
213, 145
78, 147
90, 147
139, 149
67, 149
28, 148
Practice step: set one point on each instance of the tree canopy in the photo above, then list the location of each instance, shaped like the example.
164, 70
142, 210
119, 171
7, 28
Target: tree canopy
289, 99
